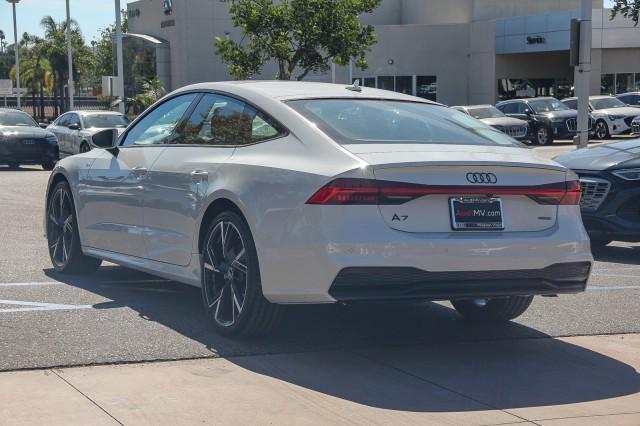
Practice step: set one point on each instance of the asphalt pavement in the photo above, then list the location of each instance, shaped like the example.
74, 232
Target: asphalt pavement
118, 315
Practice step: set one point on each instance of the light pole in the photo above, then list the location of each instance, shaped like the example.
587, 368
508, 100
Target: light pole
70, 85
16, 48
583, 73
119, 59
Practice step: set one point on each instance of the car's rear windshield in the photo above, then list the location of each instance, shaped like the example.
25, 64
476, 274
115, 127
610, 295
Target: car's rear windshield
485, 112
105, 121
374, 121
16, 119
606, 103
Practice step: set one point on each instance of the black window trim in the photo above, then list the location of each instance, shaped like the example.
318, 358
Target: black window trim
194, 104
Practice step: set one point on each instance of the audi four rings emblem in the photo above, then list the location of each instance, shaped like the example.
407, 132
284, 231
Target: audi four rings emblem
482, 178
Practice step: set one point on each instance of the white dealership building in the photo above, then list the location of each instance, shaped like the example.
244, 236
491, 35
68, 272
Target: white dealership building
454, 51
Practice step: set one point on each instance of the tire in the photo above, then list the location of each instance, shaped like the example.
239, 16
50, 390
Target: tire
543, 136
84, 147
48, 165
495, 310
63, 239
231, 286
601, 131
599, 243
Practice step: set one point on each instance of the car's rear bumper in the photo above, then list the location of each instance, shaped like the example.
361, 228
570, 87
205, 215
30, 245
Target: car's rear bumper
393, 283
320, 252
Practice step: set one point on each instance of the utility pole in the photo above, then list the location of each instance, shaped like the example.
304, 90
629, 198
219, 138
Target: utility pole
70, 84
583, 73
16, 48
119, 58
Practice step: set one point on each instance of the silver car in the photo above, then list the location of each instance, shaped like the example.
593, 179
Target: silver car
75, 129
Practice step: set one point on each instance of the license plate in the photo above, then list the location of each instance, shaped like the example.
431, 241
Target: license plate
476, 214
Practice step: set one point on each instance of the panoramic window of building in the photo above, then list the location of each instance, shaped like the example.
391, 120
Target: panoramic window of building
510, 88
425, 86
612, 84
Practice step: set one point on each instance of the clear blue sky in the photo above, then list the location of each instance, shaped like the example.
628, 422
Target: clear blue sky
90, 14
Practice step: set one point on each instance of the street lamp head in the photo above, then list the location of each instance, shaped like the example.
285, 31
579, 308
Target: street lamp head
14, 1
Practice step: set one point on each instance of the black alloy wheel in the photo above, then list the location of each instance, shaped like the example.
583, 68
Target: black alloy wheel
543, 136
602, 130
231, 287
62, 234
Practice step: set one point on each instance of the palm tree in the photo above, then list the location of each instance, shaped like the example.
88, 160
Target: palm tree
55, 50
35, 70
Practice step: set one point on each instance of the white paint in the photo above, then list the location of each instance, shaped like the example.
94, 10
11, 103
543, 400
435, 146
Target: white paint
39, 306
47, 283
596, 274
612, 287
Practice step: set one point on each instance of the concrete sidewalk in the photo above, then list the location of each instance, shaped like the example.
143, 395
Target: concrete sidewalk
579, 380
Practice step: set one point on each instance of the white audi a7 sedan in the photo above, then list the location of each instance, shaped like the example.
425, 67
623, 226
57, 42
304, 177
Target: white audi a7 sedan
269, 193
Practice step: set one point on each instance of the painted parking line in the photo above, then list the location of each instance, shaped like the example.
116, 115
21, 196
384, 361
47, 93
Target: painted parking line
612, 287
46, 283
38, 306
598, 274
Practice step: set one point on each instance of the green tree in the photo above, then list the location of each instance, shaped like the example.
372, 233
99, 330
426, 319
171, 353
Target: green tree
35, 71
299, 35
104, 48
54, 46
627, 8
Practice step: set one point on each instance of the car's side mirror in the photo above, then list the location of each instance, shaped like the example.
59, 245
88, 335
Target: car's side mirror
527, 111
106, 139
74, 126
43, 125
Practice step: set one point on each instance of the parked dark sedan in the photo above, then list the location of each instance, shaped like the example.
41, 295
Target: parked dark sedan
610, 179
548, 118
488, 114
22, 141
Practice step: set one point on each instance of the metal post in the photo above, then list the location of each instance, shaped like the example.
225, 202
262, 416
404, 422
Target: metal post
583, 74
16, 47
119, 58
70, 88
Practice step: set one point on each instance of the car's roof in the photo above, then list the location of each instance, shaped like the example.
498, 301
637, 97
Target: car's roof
289, 90
526, 99
601, 97
628, 93
477, 106
93, 112
12, 110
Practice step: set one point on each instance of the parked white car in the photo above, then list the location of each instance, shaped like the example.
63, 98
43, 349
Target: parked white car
75, 129
268, 193
612, 116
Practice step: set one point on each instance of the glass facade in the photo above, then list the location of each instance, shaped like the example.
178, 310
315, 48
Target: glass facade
427, 87
512, 88
422, 86
622, 82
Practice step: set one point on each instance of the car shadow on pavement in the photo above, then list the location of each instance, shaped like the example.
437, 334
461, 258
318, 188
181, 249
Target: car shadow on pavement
21, 169
395, 356
624, 255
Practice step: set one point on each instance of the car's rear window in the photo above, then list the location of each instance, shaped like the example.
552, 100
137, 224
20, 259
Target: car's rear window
374, 121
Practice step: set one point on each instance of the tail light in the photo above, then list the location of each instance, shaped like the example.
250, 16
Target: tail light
352, 191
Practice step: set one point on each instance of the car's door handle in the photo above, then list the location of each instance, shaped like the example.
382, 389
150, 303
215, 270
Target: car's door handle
139, 171
199, 175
